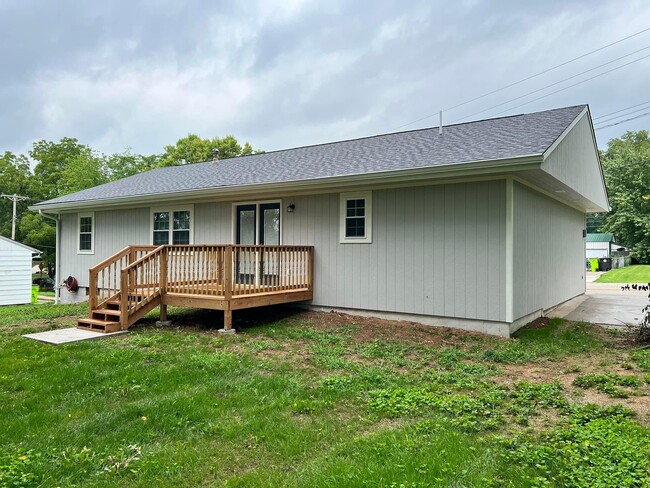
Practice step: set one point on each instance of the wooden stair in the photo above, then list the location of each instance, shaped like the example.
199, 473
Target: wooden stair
107, 318
103, 319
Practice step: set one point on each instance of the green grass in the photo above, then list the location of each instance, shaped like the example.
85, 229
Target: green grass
291, 402
638, 273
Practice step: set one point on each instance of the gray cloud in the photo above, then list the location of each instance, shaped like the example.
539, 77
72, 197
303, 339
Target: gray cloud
288, 73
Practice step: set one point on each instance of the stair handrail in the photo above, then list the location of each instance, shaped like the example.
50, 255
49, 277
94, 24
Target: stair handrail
93, 286
130, 253
131, 271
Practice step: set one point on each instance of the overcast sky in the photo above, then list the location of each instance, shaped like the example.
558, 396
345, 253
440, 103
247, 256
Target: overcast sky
287, 73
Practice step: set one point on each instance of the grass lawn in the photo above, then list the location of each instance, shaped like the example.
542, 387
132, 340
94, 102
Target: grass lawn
638, 273
302, 399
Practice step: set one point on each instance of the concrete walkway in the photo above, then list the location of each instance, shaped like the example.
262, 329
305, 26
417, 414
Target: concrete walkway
604, 303
65, 336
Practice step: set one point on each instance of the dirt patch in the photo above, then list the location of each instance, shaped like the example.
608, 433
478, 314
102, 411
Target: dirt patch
565, 372
371, 329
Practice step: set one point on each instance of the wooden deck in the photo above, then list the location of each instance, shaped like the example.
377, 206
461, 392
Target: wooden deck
134, 281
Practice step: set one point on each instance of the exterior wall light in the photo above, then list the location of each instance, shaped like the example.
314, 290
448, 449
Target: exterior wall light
291, 207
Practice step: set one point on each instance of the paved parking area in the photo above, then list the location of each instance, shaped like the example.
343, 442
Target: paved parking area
604, 303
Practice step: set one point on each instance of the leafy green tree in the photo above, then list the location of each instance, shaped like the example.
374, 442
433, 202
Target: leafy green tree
194, 149
41, 234
83, 171
595, 221
14, 179
626, 165
52, 158
122, 165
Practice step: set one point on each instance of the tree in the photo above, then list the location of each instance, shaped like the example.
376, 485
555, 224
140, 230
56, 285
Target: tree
83, 171
626, 165
122, 165
41, 234
14, 179
194, 149
52, 159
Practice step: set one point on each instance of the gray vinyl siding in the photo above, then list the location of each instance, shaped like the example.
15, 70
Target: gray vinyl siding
213, 223
114, 230
436, 250
548, 252
575, 163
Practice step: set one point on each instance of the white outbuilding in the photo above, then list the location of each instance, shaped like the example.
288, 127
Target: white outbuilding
15, 272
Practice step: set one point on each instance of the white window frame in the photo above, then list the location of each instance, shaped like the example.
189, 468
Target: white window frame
257, 204
359, 195
171, 210
92, 233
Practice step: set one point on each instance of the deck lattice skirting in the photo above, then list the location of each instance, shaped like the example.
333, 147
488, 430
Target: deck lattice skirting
126, 286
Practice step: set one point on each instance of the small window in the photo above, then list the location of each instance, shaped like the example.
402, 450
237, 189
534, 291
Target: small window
160, 228
356, 217
171, 226
86, 231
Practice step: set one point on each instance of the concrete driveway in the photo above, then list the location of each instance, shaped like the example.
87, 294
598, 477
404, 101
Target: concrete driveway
604, 303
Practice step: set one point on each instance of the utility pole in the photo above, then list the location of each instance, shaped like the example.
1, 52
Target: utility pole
14, 198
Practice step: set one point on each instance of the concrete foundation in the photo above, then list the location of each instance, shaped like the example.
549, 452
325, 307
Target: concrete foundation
501, 329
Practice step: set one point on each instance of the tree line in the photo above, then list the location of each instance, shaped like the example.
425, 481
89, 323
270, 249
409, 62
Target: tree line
52, 169
626, 167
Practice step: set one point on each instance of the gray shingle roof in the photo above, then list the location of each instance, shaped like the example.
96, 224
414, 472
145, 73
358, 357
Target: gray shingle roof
505, 137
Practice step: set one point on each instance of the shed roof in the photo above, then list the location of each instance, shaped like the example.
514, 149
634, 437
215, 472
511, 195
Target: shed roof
600, 237
18, 244
471, 142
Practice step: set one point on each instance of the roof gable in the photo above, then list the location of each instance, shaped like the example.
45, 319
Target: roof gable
5, 243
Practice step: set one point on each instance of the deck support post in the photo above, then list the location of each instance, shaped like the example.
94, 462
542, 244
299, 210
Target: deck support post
163, 312
227, 292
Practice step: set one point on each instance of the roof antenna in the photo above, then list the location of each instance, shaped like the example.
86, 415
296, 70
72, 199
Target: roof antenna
215, 155
440, 124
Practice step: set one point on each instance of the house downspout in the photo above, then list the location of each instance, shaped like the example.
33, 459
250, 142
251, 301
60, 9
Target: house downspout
56, 218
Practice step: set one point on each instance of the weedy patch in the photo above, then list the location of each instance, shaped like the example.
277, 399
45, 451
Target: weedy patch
16, 467
608, 383
595, 447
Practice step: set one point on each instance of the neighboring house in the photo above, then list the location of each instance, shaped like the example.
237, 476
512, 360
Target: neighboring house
601, 245
15, 272
478, 225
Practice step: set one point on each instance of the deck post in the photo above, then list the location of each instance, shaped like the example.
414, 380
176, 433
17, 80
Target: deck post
92, 289
124, 299
227, 291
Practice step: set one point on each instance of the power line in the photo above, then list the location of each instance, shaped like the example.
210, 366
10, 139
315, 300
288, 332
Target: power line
558, 83
527, 78
621, 110
622, 121
609, 119
14, 198
547, 70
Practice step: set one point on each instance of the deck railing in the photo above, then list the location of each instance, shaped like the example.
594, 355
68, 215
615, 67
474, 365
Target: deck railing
221, 271
232, 270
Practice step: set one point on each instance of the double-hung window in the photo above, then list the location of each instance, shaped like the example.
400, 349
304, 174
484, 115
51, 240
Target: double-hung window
356, 217
86, 231
172, 226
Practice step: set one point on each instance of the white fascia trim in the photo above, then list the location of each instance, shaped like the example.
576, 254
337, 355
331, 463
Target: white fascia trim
470, 168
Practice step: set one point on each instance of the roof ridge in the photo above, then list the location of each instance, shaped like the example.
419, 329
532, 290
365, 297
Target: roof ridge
384, 134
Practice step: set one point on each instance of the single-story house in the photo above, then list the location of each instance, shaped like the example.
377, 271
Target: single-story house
601, 245
478, 225
15, 272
